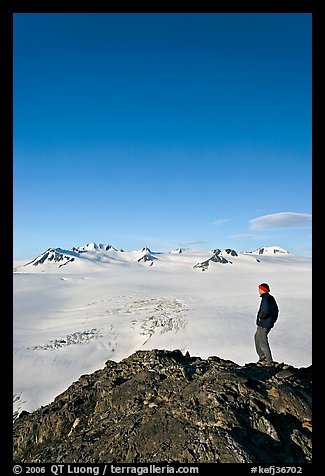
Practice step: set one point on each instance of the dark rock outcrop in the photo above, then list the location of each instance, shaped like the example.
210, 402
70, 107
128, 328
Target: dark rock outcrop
162, 406
231, 252
147, 256
215, 258
56, 255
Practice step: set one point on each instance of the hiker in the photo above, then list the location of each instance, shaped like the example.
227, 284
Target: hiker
266, 318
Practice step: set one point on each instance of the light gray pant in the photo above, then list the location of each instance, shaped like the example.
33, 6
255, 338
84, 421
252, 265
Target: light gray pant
262, 343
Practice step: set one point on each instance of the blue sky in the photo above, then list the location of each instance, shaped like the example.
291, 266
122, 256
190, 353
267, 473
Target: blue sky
162, 130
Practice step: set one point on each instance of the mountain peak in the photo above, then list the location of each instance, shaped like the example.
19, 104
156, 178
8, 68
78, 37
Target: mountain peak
173, 408
54, 255
270, 250
96, 247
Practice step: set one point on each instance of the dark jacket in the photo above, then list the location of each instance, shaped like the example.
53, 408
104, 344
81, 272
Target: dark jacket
268, 311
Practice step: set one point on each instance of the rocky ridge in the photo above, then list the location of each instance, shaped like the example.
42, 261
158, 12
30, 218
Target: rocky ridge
217, 257
163, 406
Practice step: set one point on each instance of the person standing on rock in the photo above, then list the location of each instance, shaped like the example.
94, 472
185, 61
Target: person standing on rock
266, 317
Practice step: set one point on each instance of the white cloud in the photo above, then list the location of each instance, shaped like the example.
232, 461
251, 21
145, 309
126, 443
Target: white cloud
191, 242
281, 220
220, 222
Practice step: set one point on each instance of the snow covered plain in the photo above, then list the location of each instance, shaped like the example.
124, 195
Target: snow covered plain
71, 315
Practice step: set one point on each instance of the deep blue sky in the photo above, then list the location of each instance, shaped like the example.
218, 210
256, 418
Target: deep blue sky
162, 130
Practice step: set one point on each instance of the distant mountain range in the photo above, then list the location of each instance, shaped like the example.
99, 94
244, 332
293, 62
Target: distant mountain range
98, 253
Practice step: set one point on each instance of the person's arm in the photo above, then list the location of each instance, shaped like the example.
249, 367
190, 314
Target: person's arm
264, 311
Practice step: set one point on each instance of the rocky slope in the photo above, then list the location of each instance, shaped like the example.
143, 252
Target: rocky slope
163, 406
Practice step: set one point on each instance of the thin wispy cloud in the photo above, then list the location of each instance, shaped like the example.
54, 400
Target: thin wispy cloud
220, 222
191, 242
281, 220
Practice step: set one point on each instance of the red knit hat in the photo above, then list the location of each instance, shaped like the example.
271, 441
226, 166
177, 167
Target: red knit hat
264, 287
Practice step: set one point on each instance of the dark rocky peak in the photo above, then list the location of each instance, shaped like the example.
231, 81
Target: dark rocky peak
217, 251
163, 406
228, 251
147, 256
219, 259
54, 255
215, 258
231, 252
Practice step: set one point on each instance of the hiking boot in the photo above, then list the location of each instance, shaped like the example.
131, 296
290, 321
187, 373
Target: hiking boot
261, 361
268, 364
264, 363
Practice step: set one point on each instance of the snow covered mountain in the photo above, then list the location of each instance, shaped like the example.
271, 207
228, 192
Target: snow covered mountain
82, 257
75, 309
54, 259
269, 250
217, 257
56, 256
